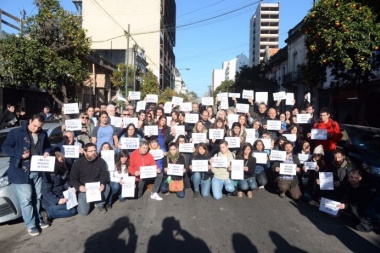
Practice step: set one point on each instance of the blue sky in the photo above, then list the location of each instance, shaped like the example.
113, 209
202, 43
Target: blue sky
204, 46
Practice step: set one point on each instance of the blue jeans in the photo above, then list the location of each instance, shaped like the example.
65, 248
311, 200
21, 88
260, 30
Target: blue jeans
217, 186
248, 184
29, 197
165, 189
84, 207
115, 191
262, 178
60, 211
204, 184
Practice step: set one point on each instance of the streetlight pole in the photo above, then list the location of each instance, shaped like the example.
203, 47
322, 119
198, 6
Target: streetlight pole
126, 63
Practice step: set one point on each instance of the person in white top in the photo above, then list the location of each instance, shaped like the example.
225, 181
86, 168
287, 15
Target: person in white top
118, 174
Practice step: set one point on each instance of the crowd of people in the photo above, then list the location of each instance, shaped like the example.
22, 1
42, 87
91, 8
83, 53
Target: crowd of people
205, 170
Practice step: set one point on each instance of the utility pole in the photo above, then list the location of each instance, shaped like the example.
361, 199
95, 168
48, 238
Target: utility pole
126, 62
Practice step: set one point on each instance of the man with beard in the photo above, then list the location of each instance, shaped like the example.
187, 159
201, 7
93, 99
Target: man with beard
88, 169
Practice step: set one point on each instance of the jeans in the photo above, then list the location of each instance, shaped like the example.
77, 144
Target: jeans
261, 178
142, 182
115, 191
60, 211
217, 186
165, 189
84, 207
204, 184
29, 197
248, 184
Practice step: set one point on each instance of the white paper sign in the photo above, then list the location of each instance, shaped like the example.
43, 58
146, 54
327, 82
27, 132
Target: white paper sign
224, 103
152, 98
237, 169
247, 94
175, 169
157, 154
148, 171
109, 157
150, 130
40, 163
217, 134
303, 157
279, 95
207, 101
199, 165
303, 118
129, 143
318, 134
273, 125
186, 107
242, 108
134, 121
140, 105
198, 137
289, 99
71, 151
128, 188
310, 165
93, 192
261, 158
73, 124
168, 107
71, 108
220, 162
71, 198
233, 142
233, 95
277, 155
251, 135
179, 129
191, 118
288, 169
329, 206
116, 121
134, 95
186, 147
177, 100
232, 118
267, 143
290, 137
262, 97
222, 95
326, 181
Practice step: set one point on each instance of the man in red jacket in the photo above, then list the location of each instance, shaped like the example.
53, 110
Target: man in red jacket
141, 157
333, 133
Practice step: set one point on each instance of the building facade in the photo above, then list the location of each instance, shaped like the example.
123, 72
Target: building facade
151, 26
264, 31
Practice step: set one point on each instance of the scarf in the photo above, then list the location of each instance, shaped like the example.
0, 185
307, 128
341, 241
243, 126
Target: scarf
174, 157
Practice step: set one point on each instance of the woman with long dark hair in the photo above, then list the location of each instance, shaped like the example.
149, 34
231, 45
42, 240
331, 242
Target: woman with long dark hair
261, 177
249, 181
120, 172
201, 179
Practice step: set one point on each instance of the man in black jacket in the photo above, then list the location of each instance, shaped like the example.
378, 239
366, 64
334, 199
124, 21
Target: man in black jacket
8, 119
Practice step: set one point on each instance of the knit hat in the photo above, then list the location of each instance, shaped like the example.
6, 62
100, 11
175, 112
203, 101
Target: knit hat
319, 150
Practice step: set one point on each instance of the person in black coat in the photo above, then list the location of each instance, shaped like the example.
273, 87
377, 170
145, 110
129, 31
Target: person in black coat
8, 118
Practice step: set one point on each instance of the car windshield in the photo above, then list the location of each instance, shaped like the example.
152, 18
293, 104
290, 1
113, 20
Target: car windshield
367, 140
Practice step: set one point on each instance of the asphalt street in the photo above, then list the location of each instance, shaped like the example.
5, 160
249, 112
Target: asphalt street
265, 223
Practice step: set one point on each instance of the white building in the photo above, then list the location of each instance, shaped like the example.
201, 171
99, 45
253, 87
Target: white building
229, 70
179, 85
264, 31
152, 27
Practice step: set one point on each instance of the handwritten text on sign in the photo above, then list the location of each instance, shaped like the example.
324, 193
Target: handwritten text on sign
148, 171
288, 169
39, 163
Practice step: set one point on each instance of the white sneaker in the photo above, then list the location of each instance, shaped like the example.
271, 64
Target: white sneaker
261, 187
155, 196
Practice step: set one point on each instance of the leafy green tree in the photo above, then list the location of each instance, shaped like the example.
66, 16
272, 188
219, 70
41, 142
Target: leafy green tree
225, 86
166, 95
49, 53
149, 84
342, 36
118, 78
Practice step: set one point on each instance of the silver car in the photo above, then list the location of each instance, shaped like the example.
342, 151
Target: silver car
9, 205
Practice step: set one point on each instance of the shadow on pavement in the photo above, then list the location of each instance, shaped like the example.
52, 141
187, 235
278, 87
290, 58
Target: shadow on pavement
242, 244
336, 227
108, 240
174, 239
282, 245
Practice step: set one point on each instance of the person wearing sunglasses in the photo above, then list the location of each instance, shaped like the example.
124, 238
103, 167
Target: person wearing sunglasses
84, 135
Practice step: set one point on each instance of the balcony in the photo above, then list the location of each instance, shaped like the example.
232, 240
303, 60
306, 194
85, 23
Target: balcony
292, 78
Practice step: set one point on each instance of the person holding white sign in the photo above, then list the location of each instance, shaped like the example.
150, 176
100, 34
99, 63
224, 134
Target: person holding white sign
222, 174
21, 144
237, 131
272, 118
104, 132
139, 158
173, 157
155, 150
261, 176
68, 140
53, 186
199, 128
84, 135
163, 133
117, 175
201, 174
249, 182
288, 182
131, 132
297, 144
87, 169
204, 118
220, 125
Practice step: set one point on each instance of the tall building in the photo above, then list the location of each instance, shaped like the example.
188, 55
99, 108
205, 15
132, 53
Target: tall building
228, 72
152, 28
264, 31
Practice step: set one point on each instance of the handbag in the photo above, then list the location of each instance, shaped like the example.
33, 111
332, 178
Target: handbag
176, 186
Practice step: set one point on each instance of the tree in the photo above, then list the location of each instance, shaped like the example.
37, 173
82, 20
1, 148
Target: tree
149, 84
225, 86
118, 78
342, 36
49, 53
166, 95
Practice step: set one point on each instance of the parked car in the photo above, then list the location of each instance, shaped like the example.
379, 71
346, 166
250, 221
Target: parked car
362, 145
9, 205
